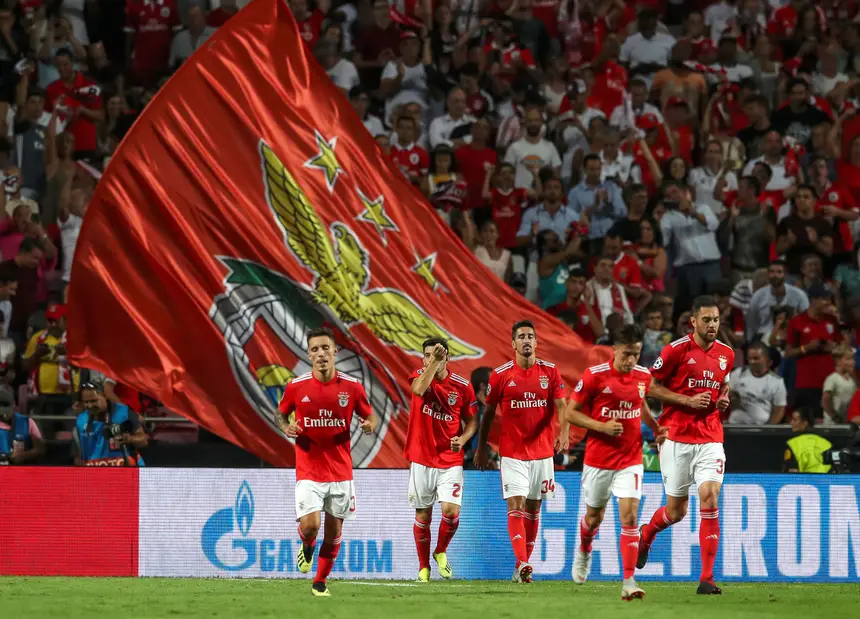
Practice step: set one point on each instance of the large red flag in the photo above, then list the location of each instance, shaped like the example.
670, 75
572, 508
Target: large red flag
246, 200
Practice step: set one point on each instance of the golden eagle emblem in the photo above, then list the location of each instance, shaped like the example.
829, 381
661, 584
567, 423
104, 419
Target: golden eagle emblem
340, 264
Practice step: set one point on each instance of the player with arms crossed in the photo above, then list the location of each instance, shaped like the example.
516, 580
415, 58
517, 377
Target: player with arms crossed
530, 393
609, 401
441, 403
323, 402
694, 372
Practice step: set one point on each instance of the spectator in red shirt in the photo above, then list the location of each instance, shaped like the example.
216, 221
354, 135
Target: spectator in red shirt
507, 202
579, 301
412, 160
784, 21
377, 45
626, 268
149, 27
219, 16
475, 160
811, 338
310, 22
79, 100
837, 206
703, 48
478, 102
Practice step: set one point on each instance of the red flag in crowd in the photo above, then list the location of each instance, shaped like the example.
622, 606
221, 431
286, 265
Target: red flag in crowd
247, 199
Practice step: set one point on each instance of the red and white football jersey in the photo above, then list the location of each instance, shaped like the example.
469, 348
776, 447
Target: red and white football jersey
435, 418
153, 23
686, 368
310, 28
412, 159
704, 49
841, 199
507, 212
324, 412
526, 403
606, 394
626, 271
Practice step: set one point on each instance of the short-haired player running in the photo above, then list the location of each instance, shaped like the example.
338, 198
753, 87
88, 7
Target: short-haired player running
442, 402
323, 402
694, 372
530, 393
609, 401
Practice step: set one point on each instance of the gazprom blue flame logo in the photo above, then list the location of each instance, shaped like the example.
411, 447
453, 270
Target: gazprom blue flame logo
226, 521
244, 508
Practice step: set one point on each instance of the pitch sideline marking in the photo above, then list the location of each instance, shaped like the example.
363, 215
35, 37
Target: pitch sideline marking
394, 584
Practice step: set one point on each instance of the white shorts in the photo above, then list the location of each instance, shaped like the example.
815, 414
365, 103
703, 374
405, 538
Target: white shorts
683, 463
599, 484
427, 485
334, 497
533, 479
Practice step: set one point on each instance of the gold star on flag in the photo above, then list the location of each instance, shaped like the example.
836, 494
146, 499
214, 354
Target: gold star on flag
326, 160
374, 213
424, 269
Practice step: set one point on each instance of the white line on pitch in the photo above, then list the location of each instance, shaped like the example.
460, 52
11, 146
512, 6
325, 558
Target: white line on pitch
395, 584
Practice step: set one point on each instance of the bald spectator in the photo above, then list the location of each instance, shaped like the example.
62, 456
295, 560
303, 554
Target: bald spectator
452, 129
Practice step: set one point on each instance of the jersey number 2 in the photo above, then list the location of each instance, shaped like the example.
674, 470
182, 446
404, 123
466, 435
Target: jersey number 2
456, 493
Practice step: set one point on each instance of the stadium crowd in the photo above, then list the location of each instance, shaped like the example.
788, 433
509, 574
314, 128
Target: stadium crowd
610, 160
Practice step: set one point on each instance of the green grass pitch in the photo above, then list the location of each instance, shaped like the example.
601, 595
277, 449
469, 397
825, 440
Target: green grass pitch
103, 598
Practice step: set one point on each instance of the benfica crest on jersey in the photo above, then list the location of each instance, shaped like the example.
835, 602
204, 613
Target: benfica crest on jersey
641, 390
452, 398
544, 382
343, 398
723, 362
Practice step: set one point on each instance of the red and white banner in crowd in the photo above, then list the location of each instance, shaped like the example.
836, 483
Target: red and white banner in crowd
248, 203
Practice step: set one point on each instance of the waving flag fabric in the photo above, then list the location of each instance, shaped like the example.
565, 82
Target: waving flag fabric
249, 203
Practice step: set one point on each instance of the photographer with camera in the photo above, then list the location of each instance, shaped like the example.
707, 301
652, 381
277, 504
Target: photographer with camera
20, 438
107, 433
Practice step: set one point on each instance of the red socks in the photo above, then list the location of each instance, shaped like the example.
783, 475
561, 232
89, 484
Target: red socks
421, 532
586, 535
517, 533
309, 543
447, 528
328, 554
659, 522
629, 550
532, 523
709, 541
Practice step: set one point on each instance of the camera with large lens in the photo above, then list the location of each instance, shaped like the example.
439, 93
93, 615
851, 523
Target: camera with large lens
846, 459
113, 430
